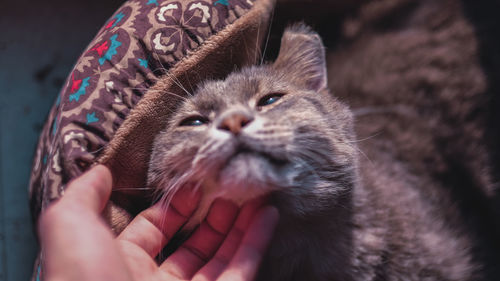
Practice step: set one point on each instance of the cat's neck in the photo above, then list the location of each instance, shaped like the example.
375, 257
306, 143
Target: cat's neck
316, 245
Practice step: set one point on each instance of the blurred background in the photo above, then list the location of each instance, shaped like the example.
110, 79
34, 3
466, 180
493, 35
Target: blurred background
39, 43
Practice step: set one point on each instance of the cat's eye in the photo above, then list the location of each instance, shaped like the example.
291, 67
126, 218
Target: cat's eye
269, 99
194, 121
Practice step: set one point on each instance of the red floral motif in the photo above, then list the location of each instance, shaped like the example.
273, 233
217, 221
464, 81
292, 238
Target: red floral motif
75, 85
101, 48
110, 23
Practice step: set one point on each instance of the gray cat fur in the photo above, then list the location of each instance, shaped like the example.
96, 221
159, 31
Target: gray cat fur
343, 217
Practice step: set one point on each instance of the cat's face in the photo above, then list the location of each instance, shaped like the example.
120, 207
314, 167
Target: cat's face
267, 129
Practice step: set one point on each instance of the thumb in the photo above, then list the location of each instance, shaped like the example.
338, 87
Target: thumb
91, 190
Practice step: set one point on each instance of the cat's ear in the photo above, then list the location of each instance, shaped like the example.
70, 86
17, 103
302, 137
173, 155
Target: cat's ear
302, 57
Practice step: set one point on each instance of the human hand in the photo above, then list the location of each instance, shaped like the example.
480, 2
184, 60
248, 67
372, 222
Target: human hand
78, 245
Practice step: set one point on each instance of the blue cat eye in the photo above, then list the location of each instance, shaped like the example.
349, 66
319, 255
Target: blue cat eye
194, 121
269, 99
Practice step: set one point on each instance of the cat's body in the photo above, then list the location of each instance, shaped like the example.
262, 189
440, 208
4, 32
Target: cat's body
350, 209
343, 216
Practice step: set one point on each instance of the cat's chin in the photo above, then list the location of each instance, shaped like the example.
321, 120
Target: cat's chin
247, 175
244, 176
239, 181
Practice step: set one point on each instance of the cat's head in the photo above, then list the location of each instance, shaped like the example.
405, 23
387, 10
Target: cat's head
269, 129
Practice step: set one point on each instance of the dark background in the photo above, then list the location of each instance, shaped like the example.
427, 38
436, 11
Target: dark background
39, 43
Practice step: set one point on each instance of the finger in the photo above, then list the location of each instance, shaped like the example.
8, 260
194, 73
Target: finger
76, 244
75, 240
247, 258
91, 190
154, 227
201, 246
224, 254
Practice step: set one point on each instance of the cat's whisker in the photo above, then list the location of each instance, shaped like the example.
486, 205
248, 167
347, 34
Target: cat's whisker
172, 77
178, 83
172, 189
263, 55
157, 57
362, 153
258, 49
146, 80
163, 185
176, 95
364, 139
97, 150
174, 184
164, 203
273, 130
161, 68
199, 76
160, 91
206, 147
248, 52
189, 83
135, 78
398, 109
271, 140
142, 89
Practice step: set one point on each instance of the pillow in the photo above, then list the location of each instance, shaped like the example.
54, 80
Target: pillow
110, 108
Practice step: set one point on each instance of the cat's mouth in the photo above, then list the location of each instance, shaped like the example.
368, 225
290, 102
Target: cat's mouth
249, 173
247, 166
244, 151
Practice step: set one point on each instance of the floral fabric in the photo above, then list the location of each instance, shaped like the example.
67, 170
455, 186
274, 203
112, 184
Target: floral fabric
133, 49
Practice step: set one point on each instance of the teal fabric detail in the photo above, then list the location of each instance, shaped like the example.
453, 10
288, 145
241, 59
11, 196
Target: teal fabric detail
39, 273
143, 63
112, 49
81, 90
222, 2
118, 18
54, 126
91, 118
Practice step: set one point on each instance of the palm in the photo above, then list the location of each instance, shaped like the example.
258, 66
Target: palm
77, 244
205, 255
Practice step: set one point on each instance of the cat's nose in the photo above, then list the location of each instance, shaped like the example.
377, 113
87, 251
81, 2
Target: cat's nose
234, 123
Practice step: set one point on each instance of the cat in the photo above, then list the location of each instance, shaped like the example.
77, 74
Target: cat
275, 129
